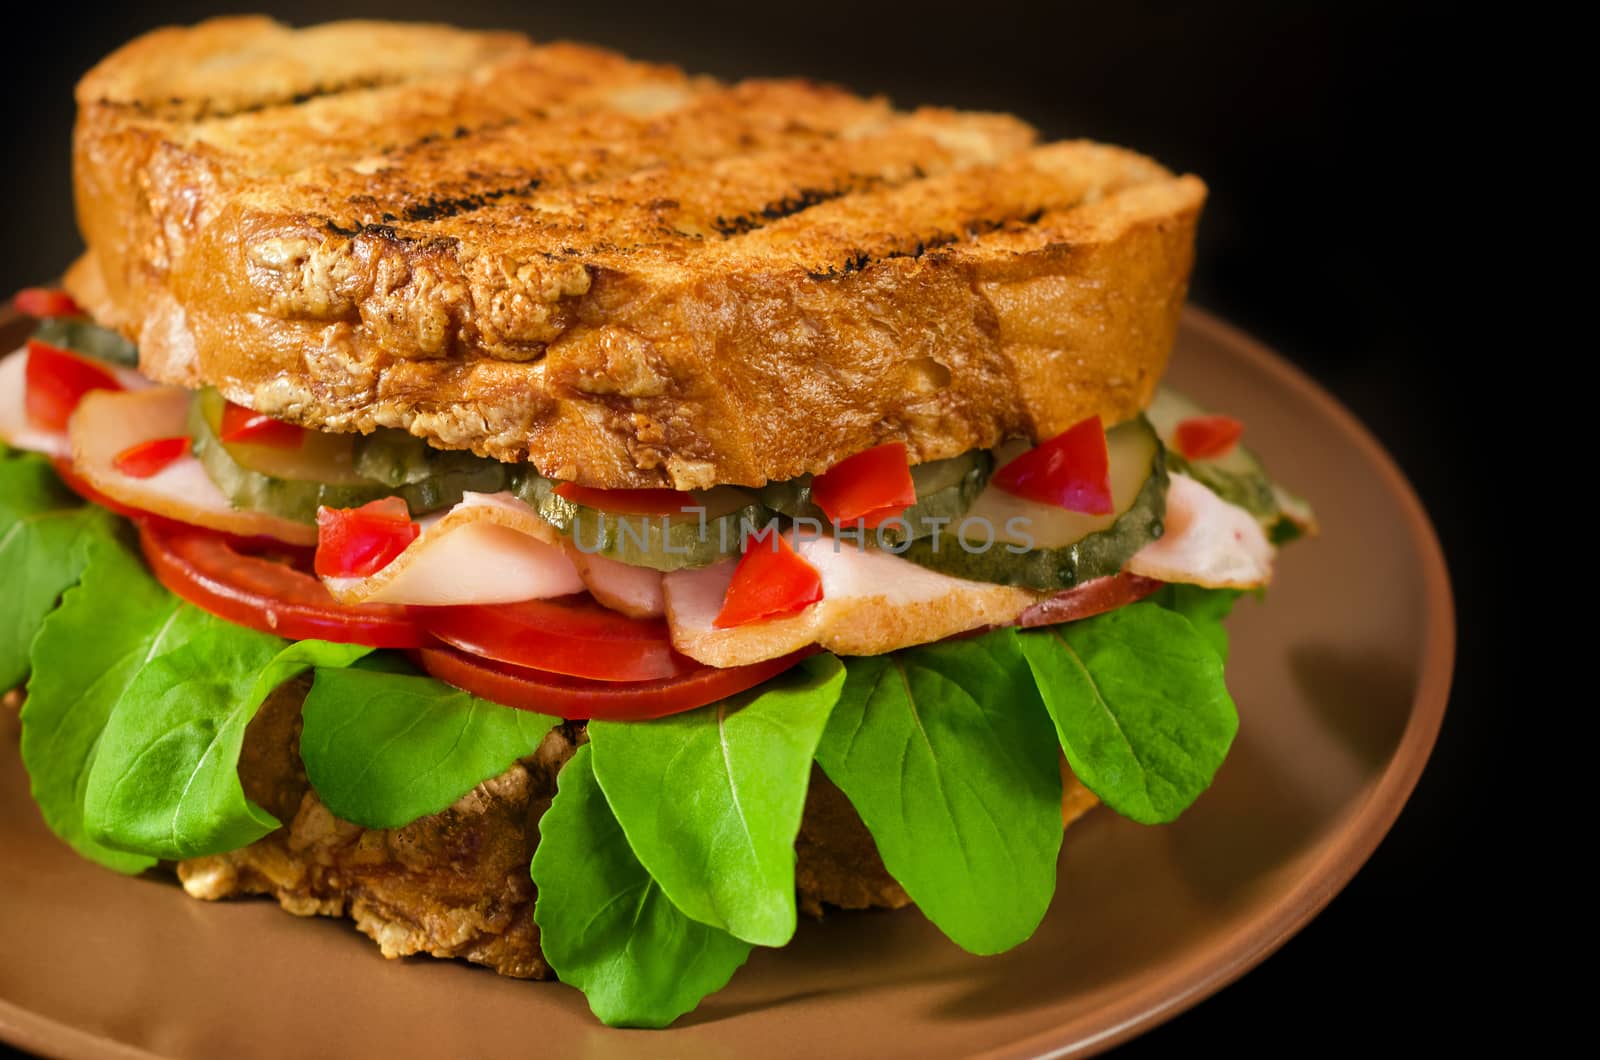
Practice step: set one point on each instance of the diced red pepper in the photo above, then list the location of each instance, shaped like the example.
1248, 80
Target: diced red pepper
1071, 471
771, 581
152, 457
627, 502
45, 302
358, 542
242, 426
1207, 437
57, 379
873, 487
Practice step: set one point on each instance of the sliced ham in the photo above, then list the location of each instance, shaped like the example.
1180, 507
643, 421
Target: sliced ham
1207, 542
489, 549
634, 591
108, 423
16, 430
872, 602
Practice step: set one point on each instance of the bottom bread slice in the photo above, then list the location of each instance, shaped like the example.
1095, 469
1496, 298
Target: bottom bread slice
456, 884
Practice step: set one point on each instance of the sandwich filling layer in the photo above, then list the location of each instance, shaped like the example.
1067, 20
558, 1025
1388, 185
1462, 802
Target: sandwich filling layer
1034, 626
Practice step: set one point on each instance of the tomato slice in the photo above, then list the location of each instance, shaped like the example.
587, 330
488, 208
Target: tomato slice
242, 426
874, 486
1207, 437
45, 302
1071, 471
627, 502
152, 457
574, 698
57, 379
1091, 598
360, 542
267, 592
570, 635
771, 581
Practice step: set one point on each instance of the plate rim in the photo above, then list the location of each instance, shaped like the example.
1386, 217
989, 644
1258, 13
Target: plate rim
1158, 999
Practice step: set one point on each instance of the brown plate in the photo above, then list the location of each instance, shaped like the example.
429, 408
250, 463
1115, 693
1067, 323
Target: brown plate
1341, 676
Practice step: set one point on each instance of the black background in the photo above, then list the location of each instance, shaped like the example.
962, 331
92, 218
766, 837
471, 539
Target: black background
1340, 198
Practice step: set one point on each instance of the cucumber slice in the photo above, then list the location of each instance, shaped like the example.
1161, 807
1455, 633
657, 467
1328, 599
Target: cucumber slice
91, 340
664, 543
325, 470
1014, 541
1237, 476
945, 490
428, 478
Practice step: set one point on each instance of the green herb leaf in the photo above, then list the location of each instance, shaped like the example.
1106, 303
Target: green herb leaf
45, 534
1204, 608
711, 799
945, 751
1139, 705
383, 749
165, 781
86, 654
606, 927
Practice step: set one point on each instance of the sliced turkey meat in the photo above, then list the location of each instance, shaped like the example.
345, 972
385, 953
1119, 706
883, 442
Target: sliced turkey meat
489, 549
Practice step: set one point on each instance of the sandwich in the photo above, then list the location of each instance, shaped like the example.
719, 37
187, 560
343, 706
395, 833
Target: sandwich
575, 516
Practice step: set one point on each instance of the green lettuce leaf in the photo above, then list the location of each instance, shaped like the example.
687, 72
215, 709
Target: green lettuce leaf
165, 779
383, 749
1139, 705
606, 927
86, 655
1204, 608
45, 537
711, 799
946, 753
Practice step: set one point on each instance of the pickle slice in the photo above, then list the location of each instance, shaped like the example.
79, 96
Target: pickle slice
663, 542
1014, 541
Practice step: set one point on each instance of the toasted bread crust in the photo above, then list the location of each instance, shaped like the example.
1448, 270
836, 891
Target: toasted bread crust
628, 276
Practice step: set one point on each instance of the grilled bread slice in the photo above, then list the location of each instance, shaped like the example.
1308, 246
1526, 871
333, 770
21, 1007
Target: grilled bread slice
629, 276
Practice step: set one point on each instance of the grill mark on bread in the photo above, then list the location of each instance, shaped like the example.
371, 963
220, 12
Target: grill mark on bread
787, 206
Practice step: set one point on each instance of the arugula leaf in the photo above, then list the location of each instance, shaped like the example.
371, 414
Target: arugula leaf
606, 927
165, 780
383, 749
711, 799
86, 654
1204, 608
1139, 704
45, 535
945, 752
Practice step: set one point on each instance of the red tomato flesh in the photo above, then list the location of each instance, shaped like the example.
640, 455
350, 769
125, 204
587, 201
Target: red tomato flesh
152, 457
1071, 471
1207, 437
874, 486
244, 426
771, 581
57, 379
45, 302
360, 542
570, 635
627, 502
574, 698
266, 591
